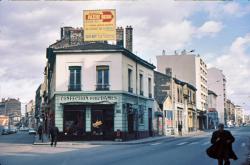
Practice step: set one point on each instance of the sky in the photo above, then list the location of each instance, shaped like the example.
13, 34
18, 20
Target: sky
218, 31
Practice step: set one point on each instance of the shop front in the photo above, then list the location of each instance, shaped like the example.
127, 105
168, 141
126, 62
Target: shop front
102, 116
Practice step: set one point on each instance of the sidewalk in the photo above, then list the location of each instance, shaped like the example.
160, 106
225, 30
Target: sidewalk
131, 142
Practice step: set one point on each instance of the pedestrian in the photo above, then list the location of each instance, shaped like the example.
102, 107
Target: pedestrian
221, 148
180, 129
54, 131
40, 132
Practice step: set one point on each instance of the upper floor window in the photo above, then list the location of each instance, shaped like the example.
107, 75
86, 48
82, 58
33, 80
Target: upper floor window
149, 88
102, 80
74, 78
141, 84
130, 89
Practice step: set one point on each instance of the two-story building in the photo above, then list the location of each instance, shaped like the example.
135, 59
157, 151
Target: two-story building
100, 91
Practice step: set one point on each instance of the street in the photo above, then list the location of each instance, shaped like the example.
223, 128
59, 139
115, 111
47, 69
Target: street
18, 149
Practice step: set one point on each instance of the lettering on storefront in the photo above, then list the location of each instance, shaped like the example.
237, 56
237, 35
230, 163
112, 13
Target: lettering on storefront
88, 98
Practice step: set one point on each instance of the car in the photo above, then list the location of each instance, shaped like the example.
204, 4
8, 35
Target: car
24, 129
32, 131
5, 131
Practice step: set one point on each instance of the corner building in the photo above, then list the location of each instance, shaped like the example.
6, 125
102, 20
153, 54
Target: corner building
99, 91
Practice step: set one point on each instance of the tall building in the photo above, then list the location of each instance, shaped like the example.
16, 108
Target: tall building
129, 38
217, 83
193, 70
120, 36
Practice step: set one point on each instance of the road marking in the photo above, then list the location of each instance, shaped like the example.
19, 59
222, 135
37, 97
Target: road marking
206, 143
193, 143
153, 144
243, 144
182, 143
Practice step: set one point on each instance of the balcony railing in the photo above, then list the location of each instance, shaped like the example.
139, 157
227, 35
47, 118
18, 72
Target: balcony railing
102, 87
130, 89
74, 87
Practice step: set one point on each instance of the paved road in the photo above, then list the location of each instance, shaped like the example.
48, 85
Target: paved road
178, 151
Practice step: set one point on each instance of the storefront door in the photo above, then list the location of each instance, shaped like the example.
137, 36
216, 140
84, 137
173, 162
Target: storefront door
102, 122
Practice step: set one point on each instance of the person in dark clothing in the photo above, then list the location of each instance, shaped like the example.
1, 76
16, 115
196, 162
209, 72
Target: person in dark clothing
180, 129
54, 131
222, 142
40, 132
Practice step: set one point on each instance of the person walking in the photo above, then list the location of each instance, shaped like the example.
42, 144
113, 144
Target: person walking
40, 132
54, 131
221, 148
180, 129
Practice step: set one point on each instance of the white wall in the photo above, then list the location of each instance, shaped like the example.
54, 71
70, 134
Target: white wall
88, 62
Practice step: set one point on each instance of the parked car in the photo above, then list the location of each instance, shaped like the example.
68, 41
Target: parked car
32, 131
13, 130
5, 131
24, 129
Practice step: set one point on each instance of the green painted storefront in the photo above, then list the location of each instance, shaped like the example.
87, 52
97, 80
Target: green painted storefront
102, 115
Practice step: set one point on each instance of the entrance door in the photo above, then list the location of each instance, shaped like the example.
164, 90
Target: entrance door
102, 122
130, 123
150, 124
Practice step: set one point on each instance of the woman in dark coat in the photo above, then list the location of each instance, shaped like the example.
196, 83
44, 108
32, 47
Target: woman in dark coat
222, 146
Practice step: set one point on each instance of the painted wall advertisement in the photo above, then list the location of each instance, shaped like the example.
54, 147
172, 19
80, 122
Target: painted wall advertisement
99, 25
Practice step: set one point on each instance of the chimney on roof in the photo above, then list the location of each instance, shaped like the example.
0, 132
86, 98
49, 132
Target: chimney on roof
120, 36
129, 38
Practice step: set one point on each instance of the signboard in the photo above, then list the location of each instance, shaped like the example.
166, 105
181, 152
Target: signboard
4, 120
109, 98
99, 25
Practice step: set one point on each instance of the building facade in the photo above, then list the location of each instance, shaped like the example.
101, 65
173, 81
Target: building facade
230, 113
213, 119
217, 83
11, 107
100, 91
30, 120
192, 69
177, 100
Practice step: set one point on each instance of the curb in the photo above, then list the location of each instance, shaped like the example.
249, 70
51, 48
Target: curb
108, 143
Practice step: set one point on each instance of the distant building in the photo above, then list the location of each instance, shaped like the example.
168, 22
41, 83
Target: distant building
11, 107
230, 112
30, 114
213, 119
239, 115
217, 83
192, 69
129, 38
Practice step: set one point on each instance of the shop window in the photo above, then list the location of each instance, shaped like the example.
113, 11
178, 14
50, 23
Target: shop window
74, 78
102, 77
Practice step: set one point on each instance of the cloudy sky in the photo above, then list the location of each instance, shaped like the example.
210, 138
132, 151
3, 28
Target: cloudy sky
218, 31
